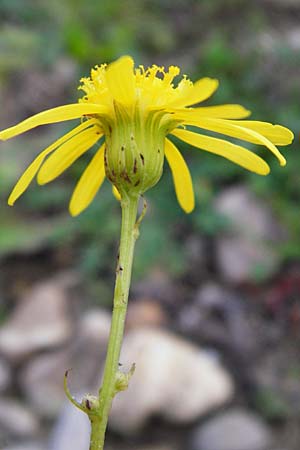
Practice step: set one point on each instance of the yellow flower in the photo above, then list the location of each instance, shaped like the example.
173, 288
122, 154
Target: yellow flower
133, 110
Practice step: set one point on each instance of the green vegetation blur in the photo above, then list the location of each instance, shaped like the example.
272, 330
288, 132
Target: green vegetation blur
241, 43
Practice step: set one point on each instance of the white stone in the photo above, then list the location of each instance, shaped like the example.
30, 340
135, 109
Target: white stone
159, 447
42, 377
173, 378
247, 213
41, 320
235, 429
16, 419
245, 250
5, 375
26, 446
241, 259
72, 430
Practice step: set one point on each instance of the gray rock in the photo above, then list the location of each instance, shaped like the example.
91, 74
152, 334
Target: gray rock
235, 429
71, 431
222, 318
245, 251
5, 375
293, 38
196, 252
16, 420
159, 447
157, 286
41, 320
244, 211
278, 383
173, 378
32, 445
42, 378
42, 382
241, 259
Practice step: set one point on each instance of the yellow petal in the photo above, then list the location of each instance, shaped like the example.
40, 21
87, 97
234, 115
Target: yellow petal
235, 130
277, 134
200, 91
66, 154
121, 81
233, 152
34, 167
89, 183
59, 114
25, 179
116, 193
221, 112
181, 177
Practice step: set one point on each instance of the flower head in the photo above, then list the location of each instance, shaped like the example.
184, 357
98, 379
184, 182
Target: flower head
129, 112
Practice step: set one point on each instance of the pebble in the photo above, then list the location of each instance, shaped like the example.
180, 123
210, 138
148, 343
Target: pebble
16, 419
157, 286
234, 429
245, 250
41, 320
221, 317
5, 375
42, 377
241, 259
71, 431
157, 447
173, 379
32, 445
278, 382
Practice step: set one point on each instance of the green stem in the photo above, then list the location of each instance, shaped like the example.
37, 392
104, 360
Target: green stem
129, 234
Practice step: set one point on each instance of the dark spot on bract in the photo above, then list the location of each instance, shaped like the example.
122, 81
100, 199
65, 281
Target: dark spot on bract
88, 404
142, 158
135, 166
125, 176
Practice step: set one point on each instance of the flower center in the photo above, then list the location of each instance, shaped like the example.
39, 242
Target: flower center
154, 87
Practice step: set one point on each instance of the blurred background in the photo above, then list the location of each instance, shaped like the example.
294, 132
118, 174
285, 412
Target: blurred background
214, 315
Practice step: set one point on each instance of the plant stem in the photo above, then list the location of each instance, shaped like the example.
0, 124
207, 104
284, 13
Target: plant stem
129, 234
